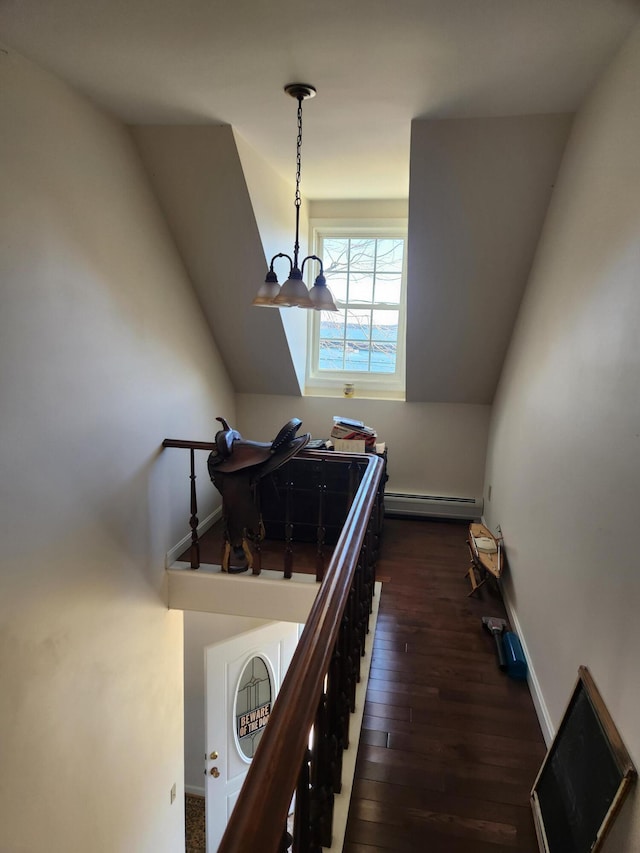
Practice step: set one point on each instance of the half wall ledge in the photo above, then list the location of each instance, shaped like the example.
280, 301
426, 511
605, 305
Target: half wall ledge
268, 596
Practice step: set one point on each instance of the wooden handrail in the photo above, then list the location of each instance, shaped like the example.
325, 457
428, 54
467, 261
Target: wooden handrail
260, 813
189, 445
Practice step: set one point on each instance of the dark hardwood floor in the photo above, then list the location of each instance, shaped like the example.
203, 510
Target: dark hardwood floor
450, 746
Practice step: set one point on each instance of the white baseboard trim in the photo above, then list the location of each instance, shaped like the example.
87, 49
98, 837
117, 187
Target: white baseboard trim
539, 704
196, 791
173, 553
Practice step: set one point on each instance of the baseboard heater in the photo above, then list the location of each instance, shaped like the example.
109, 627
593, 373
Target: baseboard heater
432, 506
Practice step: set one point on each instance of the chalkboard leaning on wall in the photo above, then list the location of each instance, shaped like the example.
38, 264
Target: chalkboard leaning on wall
584, 777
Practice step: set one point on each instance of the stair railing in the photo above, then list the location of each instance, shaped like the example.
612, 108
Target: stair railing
318, 693
301, 748
354, 463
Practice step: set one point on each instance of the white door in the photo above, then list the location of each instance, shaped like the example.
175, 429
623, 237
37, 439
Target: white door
243, 676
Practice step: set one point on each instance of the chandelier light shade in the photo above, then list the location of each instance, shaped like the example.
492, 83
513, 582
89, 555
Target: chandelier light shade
294, 292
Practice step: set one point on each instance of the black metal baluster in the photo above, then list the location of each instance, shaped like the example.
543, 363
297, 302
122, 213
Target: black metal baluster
321, 530
322, 798
335, 721
287, 840
354, 648
288, 531
302, 814
361, 614
256, 542
345, 675
368, 569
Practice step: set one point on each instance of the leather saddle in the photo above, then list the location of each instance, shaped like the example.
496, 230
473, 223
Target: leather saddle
235, 467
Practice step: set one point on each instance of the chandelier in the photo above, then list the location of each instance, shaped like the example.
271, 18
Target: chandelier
294, 292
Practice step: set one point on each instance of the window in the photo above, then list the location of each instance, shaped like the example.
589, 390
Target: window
362, 343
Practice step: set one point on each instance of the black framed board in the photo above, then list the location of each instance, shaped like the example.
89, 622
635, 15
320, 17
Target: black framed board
584, 777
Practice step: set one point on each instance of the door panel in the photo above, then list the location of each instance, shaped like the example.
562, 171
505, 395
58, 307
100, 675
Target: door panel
225, 663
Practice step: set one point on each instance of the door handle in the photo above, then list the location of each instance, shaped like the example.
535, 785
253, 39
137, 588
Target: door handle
214, 772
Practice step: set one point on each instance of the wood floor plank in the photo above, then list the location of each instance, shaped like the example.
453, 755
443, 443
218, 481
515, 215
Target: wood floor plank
421, 817
477, 717
489, 783
434, 666
421, 837
393, 694
447, 801
451, 687
459, 737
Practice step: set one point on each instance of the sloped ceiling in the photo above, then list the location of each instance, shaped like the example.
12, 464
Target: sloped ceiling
460, 70
197, 176
480, 189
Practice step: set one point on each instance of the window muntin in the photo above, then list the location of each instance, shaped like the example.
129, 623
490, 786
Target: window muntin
364, 340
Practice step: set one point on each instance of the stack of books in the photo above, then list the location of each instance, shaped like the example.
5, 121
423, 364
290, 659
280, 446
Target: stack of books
349, 430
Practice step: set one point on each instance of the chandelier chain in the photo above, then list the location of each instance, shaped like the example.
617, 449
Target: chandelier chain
298, 153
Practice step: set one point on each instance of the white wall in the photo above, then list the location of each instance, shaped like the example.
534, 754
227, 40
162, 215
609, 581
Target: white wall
433, 448
384, 208
103, 353
564, 450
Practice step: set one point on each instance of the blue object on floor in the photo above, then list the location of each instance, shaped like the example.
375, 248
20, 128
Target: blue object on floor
516, 663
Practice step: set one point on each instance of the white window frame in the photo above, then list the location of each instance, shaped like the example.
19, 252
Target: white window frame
373, 385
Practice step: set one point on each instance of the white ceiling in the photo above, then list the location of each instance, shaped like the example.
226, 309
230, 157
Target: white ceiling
376, 64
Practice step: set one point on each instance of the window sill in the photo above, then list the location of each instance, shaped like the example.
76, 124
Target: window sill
360, 393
